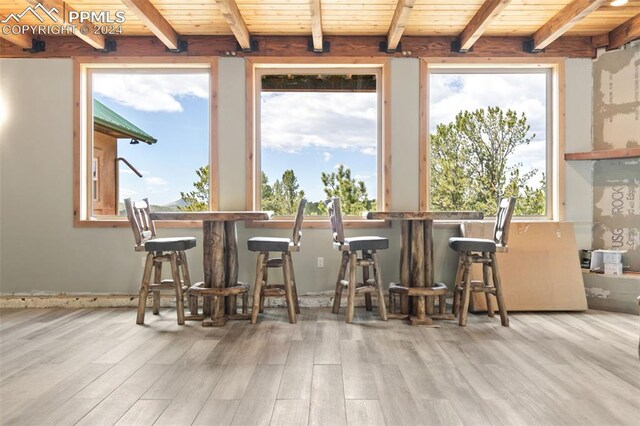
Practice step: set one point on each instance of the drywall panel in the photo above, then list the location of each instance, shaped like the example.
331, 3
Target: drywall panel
405, 137
616, 123
540, 272
616, 211
231, 133
616, 99
579, 174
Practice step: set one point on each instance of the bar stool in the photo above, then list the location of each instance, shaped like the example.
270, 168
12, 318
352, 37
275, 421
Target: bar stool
285, 246
349, 247
158, 250
483, 251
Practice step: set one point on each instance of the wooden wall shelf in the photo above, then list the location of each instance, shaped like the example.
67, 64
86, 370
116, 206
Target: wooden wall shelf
607, 154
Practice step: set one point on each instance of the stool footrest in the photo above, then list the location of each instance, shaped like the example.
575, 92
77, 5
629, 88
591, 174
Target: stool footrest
222, 291
436, 290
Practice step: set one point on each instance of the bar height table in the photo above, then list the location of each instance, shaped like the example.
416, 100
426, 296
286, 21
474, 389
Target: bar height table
416, 255
220, 251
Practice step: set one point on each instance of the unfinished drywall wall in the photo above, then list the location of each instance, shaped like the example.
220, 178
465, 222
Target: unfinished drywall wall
616, 124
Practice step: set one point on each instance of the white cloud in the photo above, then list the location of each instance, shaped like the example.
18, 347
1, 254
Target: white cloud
127, 193
327, 156
156, 181
293, 121
151, 92
524, 93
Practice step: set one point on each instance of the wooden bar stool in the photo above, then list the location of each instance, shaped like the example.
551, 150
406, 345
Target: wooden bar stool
349, 247
159, 250
483, 251
287, 289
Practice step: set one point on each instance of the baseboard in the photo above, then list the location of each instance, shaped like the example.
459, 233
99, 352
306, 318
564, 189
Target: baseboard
79, 301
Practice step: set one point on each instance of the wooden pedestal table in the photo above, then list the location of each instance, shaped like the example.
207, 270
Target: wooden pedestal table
416, 264
220, 262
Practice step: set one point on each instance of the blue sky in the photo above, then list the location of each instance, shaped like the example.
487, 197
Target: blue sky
313, 133
175, 110
307, 132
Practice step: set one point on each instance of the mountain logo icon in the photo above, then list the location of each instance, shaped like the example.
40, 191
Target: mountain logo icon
34, 11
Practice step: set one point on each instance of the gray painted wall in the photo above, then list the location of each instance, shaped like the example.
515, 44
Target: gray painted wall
41, 251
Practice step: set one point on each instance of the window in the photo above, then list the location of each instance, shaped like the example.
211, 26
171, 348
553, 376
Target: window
492, 132
317, 132
145, 132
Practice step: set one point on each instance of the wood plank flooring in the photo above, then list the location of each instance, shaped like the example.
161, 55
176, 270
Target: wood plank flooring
97, 367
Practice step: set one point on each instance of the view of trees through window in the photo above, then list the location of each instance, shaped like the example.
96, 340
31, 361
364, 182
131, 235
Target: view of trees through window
488, 140
318, 139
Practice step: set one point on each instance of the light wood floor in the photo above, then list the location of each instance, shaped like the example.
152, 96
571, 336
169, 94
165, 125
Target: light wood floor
95, 366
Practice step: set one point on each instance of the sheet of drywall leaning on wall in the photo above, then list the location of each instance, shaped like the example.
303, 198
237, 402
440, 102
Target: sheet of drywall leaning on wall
540, 272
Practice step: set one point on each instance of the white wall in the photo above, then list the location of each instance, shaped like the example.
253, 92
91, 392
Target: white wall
41, 251
578, 138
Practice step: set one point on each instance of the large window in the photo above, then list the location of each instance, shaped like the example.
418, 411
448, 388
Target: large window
145, 132
317, 132
491, 134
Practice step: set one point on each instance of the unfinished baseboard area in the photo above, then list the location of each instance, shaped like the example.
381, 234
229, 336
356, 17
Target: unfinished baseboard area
310, 300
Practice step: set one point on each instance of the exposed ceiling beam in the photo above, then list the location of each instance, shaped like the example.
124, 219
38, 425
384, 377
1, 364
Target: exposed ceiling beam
570, 15
400, 18
601, 40
489, 10
625, 33
154, 20
87, 35
316, 24
21, 40
231, 13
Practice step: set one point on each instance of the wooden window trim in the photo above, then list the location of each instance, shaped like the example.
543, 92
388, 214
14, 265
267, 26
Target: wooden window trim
81, 217
383, 158
555, 191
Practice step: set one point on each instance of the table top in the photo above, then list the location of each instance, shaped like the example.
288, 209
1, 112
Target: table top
424, 215
212, 215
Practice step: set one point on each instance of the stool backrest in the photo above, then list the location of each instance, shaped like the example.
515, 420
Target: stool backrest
503, 220
297, 225
335, 215
141, 224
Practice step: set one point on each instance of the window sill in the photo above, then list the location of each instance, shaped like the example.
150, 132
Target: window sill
318, 223
124, 223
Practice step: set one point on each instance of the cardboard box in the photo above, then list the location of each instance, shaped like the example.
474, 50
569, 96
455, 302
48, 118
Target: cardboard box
600, 257
613, 268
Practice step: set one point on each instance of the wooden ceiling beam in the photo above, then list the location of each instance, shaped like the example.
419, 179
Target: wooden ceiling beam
489, 10
570, 15
154, 20
624, 33
24, 41
206, 47
316, 25
86, 32
232, 15
400, 18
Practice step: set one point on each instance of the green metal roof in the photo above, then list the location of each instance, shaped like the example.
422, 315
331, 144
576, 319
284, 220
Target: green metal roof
108, 118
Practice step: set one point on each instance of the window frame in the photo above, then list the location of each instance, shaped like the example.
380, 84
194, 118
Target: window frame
83, 129
555, 122
258, 66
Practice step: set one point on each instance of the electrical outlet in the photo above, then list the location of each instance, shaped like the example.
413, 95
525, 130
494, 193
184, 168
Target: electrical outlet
321, 262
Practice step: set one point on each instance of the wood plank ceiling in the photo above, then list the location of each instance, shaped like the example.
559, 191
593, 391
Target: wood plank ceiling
540, 22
